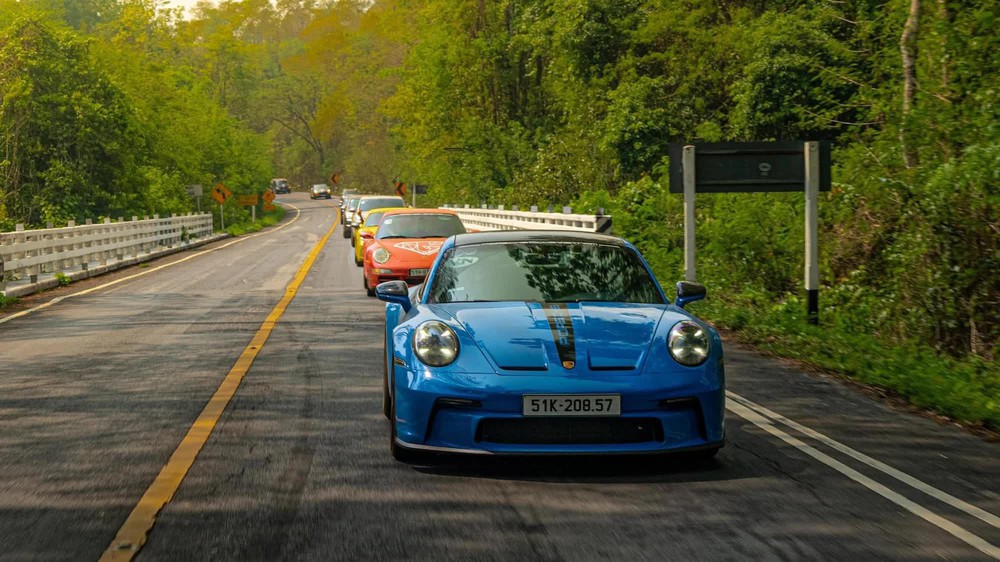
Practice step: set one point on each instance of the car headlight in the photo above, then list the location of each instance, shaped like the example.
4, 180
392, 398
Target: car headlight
689, 343
380, 255
435, 343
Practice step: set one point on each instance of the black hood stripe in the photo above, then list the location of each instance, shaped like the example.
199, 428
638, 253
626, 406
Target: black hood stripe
561, 325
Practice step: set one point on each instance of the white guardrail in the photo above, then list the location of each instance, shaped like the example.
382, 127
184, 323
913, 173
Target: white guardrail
28, 253
501, 219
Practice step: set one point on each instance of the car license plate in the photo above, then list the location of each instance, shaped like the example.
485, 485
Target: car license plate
418, 273
572, 405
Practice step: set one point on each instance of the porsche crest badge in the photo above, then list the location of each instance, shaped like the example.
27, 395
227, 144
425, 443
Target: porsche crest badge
568, 364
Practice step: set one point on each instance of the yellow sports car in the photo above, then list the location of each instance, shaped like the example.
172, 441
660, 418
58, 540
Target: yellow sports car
371, 225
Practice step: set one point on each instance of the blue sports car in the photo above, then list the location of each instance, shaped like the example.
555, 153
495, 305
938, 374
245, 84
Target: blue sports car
530, 343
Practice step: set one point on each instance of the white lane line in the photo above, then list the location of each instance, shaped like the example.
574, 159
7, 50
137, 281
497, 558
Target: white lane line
920, 511
876, 464
58, 300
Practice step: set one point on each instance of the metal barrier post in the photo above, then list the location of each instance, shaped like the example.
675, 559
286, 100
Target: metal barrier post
689, 183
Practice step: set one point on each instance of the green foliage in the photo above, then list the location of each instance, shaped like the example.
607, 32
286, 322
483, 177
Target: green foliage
6, 301
264, 220
63, 279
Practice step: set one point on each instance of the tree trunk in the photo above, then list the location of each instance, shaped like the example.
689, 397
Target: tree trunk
908, 48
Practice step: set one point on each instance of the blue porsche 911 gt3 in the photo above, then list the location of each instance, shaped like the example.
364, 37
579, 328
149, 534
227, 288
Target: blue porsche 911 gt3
532, 342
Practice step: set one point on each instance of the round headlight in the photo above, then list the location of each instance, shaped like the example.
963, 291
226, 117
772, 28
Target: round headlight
435, 343
689, 343
380, 255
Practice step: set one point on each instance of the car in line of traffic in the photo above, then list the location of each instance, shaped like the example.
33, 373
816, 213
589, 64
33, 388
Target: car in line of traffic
280, 185
536, 343
320, 191
365, 204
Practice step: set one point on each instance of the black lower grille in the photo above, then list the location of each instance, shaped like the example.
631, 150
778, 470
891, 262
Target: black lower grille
569, 431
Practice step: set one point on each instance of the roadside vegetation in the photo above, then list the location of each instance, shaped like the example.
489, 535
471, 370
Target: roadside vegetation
567, 102
246, 226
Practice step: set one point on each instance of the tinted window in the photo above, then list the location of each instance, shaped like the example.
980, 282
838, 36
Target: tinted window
373, 218
367, 203
543, 271
437, 225
352, 203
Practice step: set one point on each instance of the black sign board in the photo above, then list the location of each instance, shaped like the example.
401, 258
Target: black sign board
420, 189
744, 167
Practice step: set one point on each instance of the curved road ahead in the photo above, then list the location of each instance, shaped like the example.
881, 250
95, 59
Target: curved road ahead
97, 391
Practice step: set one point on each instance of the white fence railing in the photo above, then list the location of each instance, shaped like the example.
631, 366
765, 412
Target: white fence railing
501, 219
28, 253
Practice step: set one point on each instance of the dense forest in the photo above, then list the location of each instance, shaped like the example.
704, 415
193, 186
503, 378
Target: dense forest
111, 107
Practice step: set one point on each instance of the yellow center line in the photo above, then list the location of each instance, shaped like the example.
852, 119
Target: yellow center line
133, 533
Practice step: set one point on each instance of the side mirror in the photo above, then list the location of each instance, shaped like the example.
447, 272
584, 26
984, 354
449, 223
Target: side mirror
366, 235
688, 292
395, 292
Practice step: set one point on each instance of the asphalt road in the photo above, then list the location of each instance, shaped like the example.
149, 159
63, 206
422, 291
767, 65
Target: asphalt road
97, 391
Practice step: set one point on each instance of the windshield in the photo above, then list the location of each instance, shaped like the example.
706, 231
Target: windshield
320, 187
428, 225
373, 218
347, 192
352, 203
281, 183
369, 203
545, 272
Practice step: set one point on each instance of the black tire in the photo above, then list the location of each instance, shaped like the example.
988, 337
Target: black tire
369, 290
354, 243
347, 232
359, 263
401, 454
704, 456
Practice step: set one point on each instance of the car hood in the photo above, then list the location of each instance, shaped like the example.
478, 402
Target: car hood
547, 338
415, 252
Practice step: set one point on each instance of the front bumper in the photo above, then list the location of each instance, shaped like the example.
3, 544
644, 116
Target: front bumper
660, 413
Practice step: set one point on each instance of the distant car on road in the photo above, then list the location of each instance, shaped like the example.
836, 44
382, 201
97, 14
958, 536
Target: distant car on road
319, 190
405, 245
350, 206
366, 204
280, 185
343, 203
525, 343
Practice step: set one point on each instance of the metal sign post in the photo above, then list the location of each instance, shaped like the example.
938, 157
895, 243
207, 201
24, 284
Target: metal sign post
812, 171
751, 167
689, 184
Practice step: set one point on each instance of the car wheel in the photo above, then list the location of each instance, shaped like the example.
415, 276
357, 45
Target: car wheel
347, 232
369, 290
359, 263
703, 456
401, 454
353, 243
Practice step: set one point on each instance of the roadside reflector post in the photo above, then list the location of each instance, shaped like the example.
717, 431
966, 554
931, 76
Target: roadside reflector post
812, 172
687, 163
253, 213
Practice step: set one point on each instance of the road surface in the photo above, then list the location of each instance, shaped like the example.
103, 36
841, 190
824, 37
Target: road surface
97, 392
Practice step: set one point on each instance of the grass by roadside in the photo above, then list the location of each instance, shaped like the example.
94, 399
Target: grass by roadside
967, 390
6, 301
264, 220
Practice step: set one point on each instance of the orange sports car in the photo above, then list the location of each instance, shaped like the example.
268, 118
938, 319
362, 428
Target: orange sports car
405, 245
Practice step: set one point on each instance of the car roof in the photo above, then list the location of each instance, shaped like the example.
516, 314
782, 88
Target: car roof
381, 197
279, 179
408, 211
320, 185
515, 236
